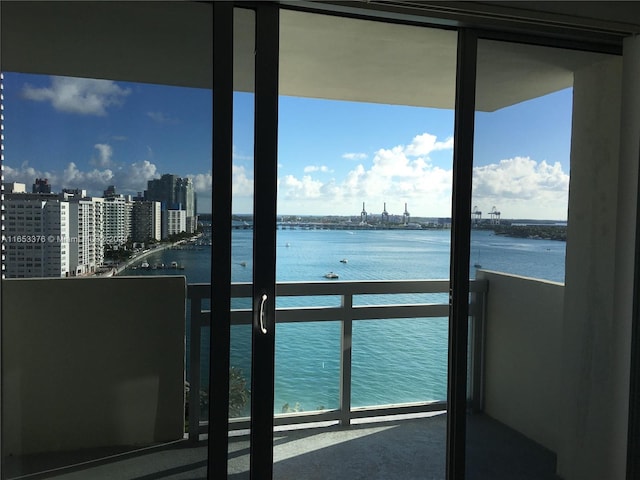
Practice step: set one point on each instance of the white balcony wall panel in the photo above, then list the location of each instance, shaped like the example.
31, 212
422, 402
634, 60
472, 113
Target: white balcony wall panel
92, 362
523, 337
591, 447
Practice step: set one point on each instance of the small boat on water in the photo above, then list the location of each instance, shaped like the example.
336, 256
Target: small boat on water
344, 260
243, 264
144, 265
331, 275
174, 264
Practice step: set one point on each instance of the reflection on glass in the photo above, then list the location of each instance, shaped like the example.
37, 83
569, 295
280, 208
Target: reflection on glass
94, 189
521, 173
364, 206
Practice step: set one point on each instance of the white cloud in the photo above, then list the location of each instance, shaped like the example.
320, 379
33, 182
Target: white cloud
27, 175
105, 153
162, 118
134, 177
395, 175
354, 156
202, 182
426, 143
522, 188
317, 168
303, 188
82, 96
128, 178
519, 187
93, 180
242, 182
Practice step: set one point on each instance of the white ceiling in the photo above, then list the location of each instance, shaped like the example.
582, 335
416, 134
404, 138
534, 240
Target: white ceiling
320, 56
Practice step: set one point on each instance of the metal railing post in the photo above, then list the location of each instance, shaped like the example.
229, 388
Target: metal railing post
194, 369
346, 332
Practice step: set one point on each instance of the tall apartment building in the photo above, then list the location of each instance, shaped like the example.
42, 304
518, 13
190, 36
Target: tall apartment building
36, 227
146, 221
173, 221
175, 193
117, 219
86, 234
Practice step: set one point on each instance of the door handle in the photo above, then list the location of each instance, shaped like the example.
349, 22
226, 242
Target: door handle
262, 302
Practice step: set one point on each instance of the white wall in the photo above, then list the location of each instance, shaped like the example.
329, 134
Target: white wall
523, 329
92, 362
593, 409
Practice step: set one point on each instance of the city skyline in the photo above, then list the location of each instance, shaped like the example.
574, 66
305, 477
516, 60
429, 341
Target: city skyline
83, 133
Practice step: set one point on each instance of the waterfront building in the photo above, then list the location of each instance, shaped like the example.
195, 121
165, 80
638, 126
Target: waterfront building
173, 222
117, 219
146, 221
175, 193
86, 234
35, 228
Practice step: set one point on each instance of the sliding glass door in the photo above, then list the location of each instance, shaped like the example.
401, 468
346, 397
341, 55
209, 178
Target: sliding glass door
312, 179
365, 157
532, 123
243, 278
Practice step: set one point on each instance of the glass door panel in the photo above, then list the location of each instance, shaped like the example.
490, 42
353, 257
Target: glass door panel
107, 162
363, 242
524, 162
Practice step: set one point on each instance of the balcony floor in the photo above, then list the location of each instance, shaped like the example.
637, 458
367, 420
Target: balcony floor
397, 449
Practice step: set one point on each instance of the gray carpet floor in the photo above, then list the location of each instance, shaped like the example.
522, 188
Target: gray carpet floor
396, 449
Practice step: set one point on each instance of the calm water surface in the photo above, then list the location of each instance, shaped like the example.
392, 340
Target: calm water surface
394, 361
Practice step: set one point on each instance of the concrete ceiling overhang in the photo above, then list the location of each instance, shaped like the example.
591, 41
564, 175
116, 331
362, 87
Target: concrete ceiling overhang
321, 56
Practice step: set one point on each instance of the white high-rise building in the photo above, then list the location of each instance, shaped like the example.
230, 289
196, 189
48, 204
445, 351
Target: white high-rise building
117, 219
86, 234
36, 228
173, 221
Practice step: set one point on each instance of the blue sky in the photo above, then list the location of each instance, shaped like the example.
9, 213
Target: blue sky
333, 155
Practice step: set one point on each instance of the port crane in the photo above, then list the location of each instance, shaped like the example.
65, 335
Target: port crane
495, 216
477, 215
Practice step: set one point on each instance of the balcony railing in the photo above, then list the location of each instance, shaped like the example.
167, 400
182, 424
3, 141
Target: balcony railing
346, 312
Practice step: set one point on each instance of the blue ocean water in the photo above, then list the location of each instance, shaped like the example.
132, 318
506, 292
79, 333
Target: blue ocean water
394, 361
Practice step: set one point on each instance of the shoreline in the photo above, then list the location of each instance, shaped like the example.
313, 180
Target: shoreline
113, 271
142, 255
